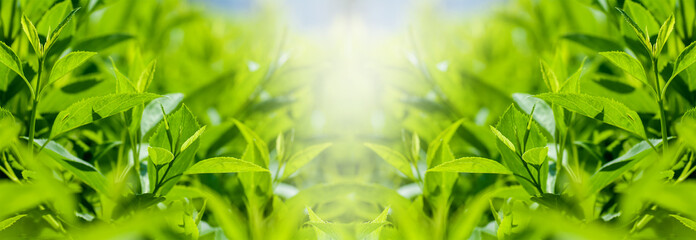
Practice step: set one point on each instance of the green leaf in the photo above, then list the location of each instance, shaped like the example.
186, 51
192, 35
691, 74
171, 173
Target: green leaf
513, 126
627, 63
687, 222
9, 129
152, 114
503, 139
686, 58
56, 32
95, 108
68, 63
549, 77
252, 138
160, 156
223, 165
600, 108
615, 168
394, 158
686, 130
641, 35
8, 222
280, 148
543, 114
415, 147
32, 34
671, 197
78, 167
471, 165
320, 226
572, 84
663, 35
193, 138
96, 44
597, 43
303, 157
536, 156
183, 125
24, 197
372, 229
54, 16
442, 139
9, 58
123, 84
146, 76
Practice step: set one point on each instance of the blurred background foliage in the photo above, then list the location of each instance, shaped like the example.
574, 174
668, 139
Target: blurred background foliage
346, 119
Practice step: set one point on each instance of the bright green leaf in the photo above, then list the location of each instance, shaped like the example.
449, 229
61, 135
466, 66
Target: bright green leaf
549, 77
223, 165
686, 58
152, 114
471, 165
146, 77
160, 156
68, 63
193, 138
9, 58
663, 35
503, 139
394, 158
638, 30
56, 32
627, 63
536, 156
32, 34
415, 147
95, 108
600, 108
687, 222
303, 157
183, 125
8, 222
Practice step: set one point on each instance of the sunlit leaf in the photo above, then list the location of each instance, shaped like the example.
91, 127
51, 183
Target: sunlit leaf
95, 108
68, 63
600, 108
629, 64
223, 165
160, 156
471, 165
536, 156
301, 158
394, 158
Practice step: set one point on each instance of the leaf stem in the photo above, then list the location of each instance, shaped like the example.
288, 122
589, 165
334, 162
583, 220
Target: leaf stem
35, 103
660, 103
